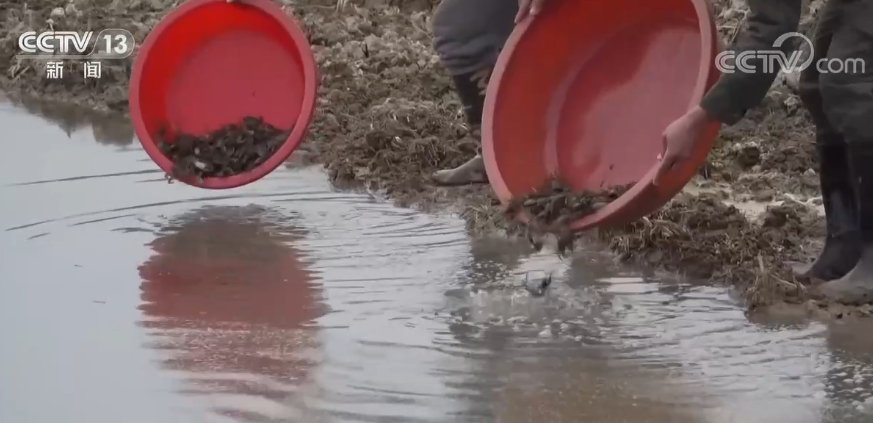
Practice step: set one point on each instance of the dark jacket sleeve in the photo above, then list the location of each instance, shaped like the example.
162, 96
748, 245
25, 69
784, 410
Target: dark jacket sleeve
737, 92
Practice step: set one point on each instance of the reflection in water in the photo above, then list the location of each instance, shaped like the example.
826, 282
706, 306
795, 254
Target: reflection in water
226, 296
112, 131
492, 260
553, 367
107, 129
849, 379
570, 384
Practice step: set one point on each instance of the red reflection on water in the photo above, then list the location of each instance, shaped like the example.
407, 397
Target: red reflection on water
225, 295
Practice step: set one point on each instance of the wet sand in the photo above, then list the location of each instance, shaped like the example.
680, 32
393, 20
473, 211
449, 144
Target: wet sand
124, 298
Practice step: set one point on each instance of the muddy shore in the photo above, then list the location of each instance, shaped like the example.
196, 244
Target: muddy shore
388, 118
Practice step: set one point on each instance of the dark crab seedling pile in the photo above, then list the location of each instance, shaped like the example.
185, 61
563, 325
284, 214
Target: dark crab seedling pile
554, 206
231, 150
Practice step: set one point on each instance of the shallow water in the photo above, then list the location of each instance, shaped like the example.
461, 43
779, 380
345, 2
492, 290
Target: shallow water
127, 299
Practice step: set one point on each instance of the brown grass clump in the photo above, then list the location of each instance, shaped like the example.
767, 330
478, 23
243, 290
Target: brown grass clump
703, 238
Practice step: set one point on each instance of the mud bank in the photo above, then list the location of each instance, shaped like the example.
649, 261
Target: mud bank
387, 118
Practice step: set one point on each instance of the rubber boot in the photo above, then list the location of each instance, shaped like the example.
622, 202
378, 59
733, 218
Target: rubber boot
473, 100
842, 247
857, 286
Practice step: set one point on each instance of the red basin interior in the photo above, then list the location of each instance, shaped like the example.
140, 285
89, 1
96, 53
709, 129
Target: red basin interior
584, 92
210, 63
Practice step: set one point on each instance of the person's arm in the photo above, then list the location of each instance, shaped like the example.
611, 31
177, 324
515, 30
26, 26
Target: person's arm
737, 92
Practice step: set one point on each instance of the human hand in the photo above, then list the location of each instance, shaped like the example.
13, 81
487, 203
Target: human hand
680, 138
528, 8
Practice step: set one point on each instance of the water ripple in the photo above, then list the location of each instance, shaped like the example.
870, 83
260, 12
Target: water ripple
287, 300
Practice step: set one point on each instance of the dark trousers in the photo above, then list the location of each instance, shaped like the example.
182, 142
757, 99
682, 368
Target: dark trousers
837, 87
469, 34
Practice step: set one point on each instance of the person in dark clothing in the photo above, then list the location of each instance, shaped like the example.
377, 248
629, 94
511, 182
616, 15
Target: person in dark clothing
841, 106
468, 36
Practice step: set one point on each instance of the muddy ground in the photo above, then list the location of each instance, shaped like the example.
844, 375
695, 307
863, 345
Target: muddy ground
388, 118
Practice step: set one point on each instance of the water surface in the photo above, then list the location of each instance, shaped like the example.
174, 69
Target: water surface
125, 298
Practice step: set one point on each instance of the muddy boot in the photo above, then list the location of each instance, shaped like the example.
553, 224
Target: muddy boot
470, 90
843, 243
857, 286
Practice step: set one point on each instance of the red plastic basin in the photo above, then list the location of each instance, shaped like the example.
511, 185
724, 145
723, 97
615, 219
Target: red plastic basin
210, 63
584, 91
